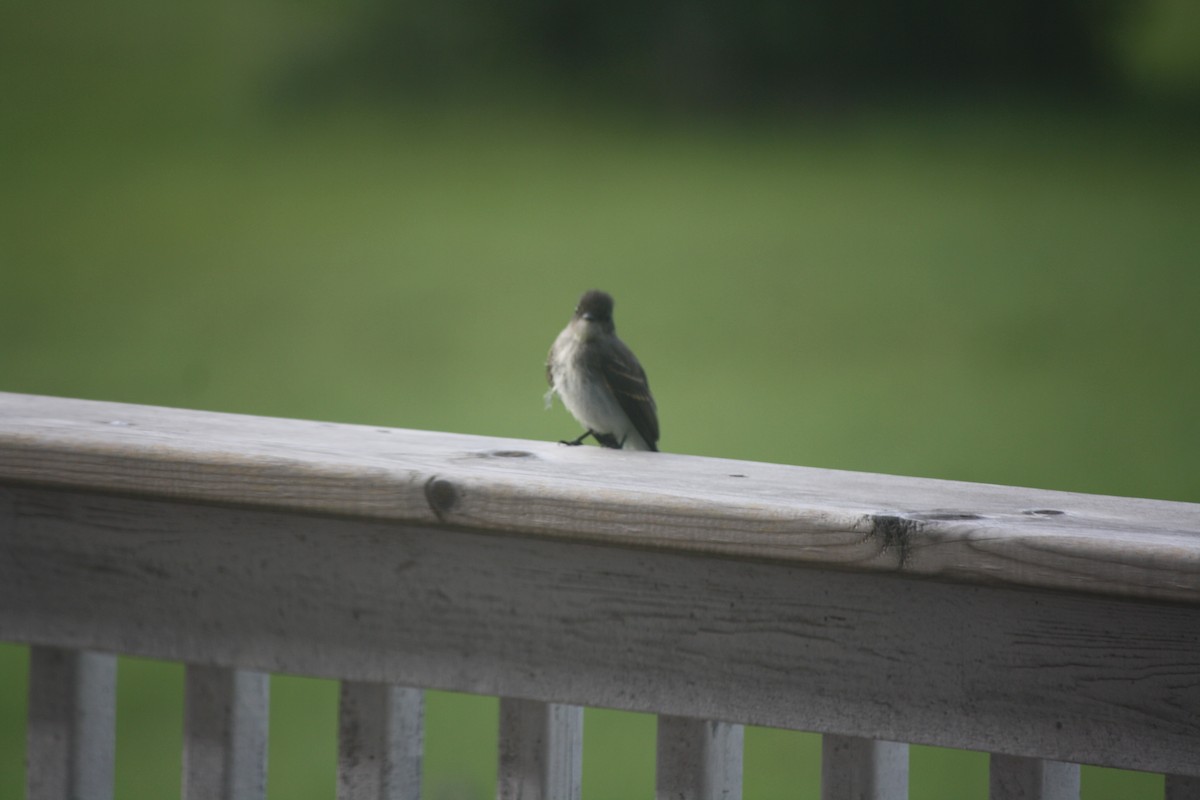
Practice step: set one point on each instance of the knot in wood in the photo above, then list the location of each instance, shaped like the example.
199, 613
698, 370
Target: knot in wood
893, 532
442, 495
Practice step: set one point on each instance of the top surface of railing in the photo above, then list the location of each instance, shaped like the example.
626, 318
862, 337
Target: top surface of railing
967, 532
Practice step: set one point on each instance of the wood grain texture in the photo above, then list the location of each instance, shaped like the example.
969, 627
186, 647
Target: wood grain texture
972, 533
225, 720
1056, 675
853, 768
71, 735
1016, 778
541, 751
698, 759
381, 737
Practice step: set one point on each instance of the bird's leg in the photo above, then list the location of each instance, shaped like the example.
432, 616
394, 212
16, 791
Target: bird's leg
608, 440
579, 441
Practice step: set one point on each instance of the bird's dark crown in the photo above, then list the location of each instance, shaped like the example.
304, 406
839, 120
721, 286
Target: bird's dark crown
595, 306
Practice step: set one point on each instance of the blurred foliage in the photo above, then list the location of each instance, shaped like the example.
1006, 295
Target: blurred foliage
719, 54
1158, 49
714, 52
383, 214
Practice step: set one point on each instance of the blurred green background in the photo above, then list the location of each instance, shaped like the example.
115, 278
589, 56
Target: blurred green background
934, 238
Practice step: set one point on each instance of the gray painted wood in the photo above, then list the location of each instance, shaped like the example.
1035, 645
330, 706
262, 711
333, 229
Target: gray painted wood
974, 533
1016, 778
70, 734
225, 716
541, 751
698, 759
1055, 675
380, 742
1181, 787
853, 768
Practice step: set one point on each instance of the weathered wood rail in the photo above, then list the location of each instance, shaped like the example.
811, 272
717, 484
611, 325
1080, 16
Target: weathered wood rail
1049, 629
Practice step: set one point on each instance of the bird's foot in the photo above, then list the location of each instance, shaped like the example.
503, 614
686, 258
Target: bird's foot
576, 442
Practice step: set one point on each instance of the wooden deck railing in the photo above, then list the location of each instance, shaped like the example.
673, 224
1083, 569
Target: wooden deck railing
1049, 629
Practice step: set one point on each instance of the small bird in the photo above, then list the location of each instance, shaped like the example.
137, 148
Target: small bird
600, 380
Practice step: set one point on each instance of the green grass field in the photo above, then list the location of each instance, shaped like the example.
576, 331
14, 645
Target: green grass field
987, 293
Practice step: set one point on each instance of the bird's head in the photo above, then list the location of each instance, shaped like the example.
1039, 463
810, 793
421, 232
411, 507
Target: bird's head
594, 312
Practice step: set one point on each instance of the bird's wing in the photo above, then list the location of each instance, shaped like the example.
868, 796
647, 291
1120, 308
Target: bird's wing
627, 380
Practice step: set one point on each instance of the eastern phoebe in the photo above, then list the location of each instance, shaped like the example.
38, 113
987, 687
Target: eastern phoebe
600, 380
